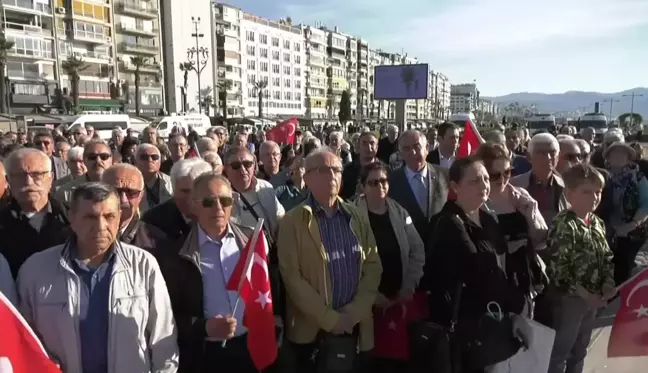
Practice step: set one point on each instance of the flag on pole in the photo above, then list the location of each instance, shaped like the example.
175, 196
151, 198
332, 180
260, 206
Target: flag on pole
20, 349
284, 132
468, 145
629, 336
251, 278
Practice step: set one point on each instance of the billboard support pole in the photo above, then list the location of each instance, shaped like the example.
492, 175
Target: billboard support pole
401, 117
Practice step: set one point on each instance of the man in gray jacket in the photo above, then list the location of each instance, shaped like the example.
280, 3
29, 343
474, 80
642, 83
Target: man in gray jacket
7, 286
99, 305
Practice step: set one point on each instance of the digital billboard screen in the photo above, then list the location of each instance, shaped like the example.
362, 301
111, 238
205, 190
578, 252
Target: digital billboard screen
401, 82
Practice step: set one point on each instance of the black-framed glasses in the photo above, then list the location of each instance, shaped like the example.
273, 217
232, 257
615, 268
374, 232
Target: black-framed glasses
34, 175
374, 183
129, 193
223, 201
236, 165
146, 157
497, 176
93, 156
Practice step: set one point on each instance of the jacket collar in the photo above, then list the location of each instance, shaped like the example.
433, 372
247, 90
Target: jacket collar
120, 262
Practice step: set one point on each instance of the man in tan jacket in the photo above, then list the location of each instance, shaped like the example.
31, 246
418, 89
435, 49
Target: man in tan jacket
329, 263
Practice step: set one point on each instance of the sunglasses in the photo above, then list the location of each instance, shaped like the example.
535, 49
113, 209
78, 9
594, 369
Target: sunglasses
574, 157
41, 143
130, 193
223, 201
497, 176
93, 156
146, 157
375, 183
237, 165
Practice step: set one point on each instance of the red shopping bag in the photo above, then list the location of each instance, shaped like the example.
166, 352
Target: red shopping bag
391, 339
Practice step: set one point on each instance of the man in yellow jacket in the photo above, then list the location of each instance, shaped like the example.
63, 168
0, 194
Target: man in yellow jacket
329, 264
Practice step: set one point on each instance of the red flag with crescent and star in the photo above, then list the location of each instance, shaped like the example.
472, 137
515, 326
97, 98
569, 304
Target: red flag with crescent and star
251, 278
284, 132
629, 336
468, 145
20, 350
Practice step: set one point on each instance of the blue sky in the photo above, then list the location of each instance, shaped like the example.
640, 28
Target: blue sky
507, 46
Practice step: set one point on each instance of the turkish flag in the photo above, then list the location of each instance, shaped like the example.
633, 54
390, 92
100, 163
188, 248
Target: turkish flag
251, 279
391, 338
629, 336
284, 132
468, 145
20, 350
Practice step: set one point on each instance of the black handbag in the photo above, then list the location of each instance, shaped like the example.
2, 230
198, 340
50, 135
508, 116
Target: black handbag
336, 353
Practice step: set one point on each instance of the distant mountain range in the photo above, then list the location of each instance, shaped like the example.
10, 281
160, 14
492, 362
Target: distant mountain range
566, 104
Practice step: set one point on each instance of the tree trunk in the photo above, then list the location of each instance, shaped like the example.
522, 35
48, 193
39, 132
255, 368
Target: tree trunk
75, 94
137, 93
3, 90
260, 103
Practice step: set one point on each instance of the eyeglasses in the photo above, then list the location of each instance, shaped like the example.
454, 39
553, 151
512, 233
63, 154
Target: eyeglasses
93, 156
35, 175
146, 157
325, 170
236, 165
130, 193
497, 176
223, 201
375, 183
41, 143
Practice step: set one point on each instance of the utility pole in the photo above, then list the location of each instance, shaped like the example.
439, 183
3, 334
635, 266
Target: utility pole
611, 101
633, 95
201, 55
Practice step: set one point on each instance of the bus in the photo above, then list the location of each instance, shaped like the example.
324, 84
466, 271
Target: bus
597, 121
541, 122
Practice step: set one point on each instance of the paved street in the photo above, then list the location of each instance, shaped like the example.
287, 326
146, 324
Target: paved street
597, 361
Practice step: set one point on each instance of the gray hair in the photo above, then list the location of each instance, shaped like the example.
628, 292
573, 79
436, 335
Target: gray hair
584, 146
268, 144
236, 150
495, 136
392, 127
543, 139
212, 158
421, 137
612, 136
313, 140
21, 153
316, 154
94, 192
192, 168
563, 136
122, 166
205, 144
75, 152
337, 134
142, 147
209, 177
587, 130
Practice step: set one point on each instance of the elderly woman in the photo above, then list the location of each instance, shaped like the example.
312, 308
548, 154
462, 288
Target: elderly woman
519, 221
401, 253
626, 209
611, 136
294, 191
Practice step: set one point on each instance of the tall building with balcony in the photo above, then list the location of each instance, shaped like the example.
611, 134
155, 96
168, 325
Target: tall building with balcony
137, 38
84, 29
352, 74
31, 62
227, 61
464, 98
439, 89
273, 52
177, 28
336, 71
375, 59
364, 94
317, 104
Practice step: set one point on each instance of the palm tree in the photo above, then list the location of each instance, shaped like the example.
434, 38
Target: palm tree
185, 67
72, 67
5, 47
138, 62
259, 86
223, 86
205, 98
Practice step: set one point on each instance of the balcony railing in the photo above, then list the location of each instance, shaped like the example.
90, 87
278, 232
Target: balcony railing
127, 65
140, 48
28, 5
94, 37
138, 8
126, 28
21, 27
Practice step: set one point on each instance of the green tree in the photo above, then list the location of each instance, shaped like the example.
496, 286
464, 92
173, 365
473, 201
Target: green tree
5, 47
259, 86
205, 98
223, 87
630, 119
138, 62
344, 115
73, 66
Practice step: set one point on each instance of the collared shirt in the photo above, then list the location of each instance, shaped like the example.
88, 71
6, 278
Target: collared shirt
414, 184
343, 251
445, 162
218, 257
544, 194
94, 309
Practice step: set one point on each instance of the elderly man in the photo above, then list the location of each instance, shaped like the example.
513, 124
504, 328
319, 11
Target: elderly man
206, 144
61, 149
515, 141
113, 312
388, 145
150, 135
543, 182
368, 148
569, 155
157, 186
32, 221
75, 164
204, 309
270, 157
173, 216
420, 187
45, 142
326, 233
97, 158
336, 140
255, 198
178, 147
214, 160
90, 131
610, 137
77, 133
445, 153
240, 140
129, 184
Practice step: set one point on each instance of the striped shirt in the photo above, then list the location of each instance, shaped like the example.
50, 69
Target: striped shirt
343, 251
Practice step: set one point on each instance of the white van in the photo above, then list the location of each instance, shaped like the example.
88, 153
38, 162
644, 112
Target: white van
102, 123
461, 118
541, 122
199, 123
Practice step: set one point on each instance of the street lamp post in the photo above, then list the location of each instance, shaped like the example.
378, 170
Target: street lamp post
633, 95
611, 101
201, 55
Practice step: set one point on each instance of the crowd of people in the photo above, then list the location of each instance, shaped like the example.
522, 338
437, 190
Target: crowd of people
118, 253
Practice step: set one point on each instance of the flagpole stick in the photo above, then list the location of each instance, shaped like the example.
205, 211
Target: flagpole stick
248, 261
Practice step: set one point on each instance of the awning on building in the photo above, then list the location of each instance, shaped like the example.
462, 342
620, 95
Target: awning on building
99, 103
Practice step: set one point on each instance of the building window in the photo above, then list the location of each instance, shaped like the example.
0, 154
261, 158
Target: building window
286, 70
275, 42
297, 71
251, 78
276, 82
90, 10
287, 96
275, 68
286, 57
286, 44
249, 35
251, 65
297, 47
276, 95
31, 47
297, 96
297, 83
275, 55
287, 83
23, 70
264, 39
263, 66
251, 50
263, 52
297, 58
89, 30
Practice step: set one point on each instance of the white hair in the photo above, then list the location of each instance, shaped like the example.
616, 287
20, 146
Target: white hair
543, 139
142, 147
613, 135
313, 140
583, 145
268, 144
204, 144
212, 157
337, 134
421, 137
317, 153
563, 136
75, 152
192, 168
123, 166
19, 154
392, 127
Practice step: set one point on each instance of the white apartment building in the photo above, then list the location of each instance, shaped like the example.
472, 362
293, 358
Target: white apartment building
461, 104
363, 102
464, 98
227, 62
316, 81
439, 93
273, 52
177, 29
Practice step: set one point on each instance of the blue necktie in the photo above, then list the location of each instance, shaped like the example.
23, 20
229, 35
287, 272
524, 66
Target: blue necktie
421, 193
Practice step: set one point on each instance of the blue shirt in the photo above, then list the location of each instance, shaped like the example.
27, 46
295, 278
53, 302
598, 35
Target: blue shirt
343, 252
94, 301
218, 258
